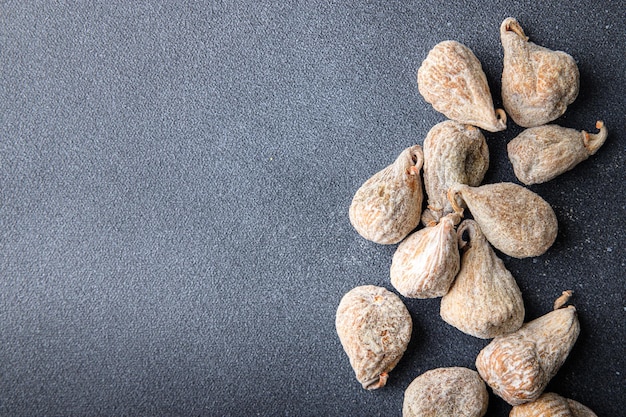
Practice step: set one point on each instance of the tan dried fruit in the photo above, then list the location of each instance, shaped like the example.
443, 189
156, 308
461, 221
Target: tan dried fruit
452, 80
551, 405
537, 83
388, 206
539, 154
426, 262
514, 219
374, 328
457, 392
518, 366
484, 300
454, 153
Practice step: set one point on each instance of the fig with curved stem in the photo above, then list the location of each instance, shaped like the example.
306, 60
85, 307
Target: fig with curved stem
540, 154
537, 83
452, 80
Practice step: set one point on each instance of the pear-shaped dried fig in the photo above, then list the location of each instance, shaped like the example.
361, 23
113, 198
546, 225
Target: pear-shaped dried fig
537, 83
374, 328
453, 154
518, 366
484, 300
550, 404
452, 80
541, 153
457, 392
427, 261
388, 206
514, 219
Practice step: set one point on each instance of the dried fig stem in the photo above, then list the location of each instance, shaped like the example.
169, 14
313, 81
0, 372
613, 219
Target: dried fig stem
563, 299
456, 218
378, 382
469, 228
593, 141
452, 193
501, 118
513, 26
417, 161
417, 155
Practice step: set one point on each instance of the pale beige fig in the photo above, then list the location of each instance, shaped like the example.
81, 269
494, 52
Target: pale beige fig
518, 366
537, 83
541, 153
550, 404
426, 262
452, 80
374, 328
484, 300
388, 206
454, 153
457, 392
514, 219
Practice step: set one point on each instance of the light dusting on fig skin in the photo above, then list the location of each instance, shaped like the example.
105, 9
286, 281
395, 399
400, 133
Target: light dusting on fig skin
388, 206
455, 391
374, 328
541, 153
537, 83
454, 153
518, 366
514, 219
452, 80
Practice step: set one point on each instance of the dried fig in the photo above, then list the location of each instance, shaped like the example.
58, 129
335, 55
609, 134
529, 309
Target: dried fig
374, 328
484, 300
388, 206
537, 83
541, 153
518, 366
552, 405
453, 154
426, 262
452, 80
514, 219
457, 392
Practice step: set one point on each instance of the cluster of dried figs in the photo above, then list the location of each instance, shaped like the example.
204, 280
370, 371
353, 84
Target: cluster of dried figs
443, 254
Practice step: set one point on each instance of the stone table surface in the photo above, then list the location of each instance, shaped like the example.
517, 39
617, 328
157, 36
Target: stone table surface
174, 185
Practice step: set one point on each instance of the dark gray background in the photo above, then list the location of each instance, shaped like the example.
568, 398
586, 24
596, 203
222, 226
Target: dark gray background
174, 186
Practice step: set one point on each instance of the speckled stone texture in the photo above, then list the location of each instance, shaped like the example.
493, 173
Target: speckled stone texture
175, 180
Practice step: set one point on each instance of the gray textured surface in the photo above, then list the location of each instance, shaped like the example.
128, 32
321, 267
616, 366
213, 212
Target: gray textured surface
174, 186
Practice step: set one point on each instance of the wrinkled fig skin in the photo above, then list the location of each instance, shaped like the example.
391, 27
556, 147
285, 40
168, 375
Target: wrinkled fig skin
580, 410
518, 366
374, 328
513, 219
541, 153
452, 80
426, 262
537, 83
552, 405
388, 206
484, 300
457, 392
453, 154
